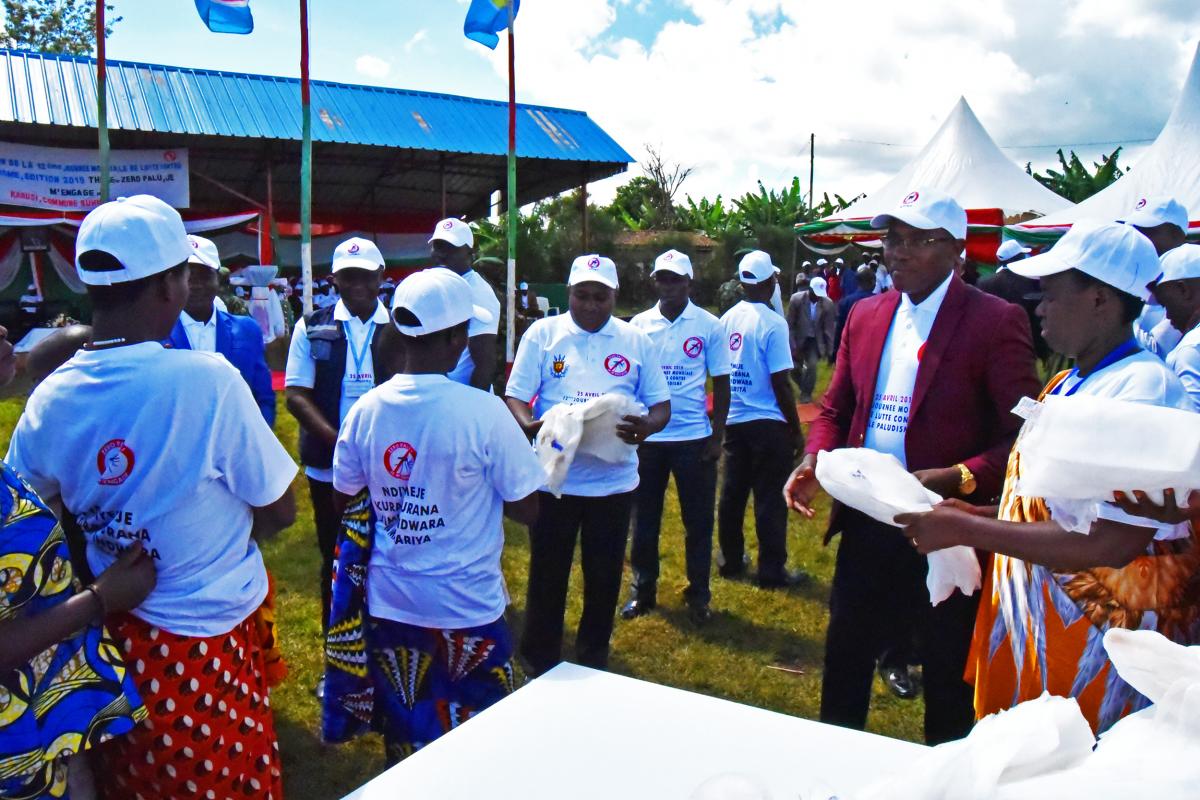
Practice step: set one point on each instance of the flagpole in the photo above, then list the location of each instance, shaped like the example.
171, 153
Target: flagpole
102, 103
305, 165
511, 195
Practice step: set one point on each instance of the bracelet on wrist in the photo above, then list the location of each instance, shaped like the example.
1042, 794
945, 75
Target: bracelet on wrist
94, 592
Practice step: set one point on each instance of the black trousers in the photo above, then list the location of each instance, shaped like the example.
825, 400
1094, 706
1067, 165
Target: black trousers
602, 525
879, 588
328, 525
805, 372
758, 459
696, 485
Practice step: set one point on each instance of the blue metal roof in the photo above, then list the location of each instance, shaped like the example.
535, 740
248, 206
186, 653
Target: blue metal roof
61, 90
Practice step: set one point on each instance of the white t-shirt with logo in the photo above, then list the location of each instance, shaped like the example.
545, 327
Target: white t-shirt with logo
167, 448
1140, 378
757, 339
482, 296
559, 362
359, 377
891, 404
440, 460
690, 348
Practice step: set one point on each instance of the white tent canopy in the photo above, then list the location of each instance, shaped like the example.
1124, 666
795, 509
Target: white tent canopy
962, 160
1171, 166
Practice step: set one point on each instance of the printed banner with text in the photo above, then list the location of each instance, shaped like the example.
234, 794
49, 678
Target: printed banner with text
66, 179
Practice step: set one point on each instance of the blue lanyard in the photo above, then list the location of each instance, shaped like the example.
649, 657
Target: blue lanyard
1120, 352
360, 356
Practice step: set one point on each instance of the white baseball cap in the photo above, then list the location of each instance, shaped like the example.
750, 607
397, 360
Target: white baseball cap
522, 286
838, 260
454, 231
357, 253
756, 267
1010, 249
821, 262
593, 268
819, 287
439, 298
927, 209
128, 239
1111, 252
204, 251
806, 264
1180, 264
673, 261
1150, 212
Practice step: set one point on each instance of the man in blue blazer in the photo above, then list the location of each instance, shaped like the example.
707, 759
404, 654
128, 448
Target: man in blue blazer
204, 325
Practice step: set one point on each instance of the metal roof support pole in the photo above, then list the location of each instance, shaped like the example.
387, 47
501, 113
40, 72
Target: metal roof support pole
305, 165
583, 210
102, 103
511, 196
442, 171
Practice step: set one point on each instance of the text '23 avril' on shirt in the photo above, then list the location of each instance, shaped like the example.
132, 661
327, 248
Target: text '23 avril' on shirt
359, 378
690, 348
902, 352
482, 296
757, 339
166, 448
440, 460
559, 362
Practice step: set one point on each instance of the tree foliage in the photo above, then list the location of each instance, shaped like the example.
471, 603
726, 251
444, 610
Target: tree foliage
66, 27
1075, 182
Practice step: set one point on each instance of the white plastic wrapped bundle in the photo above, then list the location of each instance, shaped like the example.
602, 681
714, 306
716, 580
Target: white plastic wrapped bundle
878, 485
1086, 448
589, 428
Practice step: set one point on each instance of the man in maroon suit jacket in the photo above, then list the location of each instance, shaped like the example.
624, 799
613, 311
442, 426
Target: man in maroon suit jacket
928, 373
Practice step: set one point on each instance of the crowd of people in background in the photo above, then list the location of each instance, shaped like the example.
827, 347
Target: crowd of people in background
146, 621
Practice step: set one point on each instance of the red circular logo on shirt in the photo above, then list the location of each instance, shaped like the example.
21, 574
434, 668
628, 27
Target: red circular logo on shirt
693, 347
617, 365
735, 341
114, 462
399, 459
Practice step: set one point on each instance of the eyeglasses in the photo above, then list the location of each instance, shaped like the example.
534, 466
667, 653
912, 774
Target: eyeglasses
894, 242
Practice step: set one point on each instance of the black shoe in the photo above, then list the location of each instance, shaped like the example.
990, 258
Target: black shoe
637, 608
901, 681
787, 580
700, 613
727, 570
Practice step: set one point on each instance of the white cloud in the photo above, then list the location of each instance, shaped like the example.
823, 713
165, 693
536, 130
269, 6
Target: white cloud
416, 39
372, 67
736, 86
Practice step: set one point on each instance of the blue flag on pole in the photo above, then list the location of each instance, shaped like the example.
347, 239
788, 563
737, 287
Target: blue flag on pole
226, 16
486, 18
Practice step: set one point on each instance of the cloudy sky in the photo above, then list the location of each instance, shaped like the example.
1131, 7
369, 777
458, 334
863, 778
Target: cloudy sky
733, 88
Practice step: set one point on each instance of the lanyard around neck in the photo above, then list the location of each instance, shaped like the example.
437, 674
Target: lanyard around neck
360, 354
1121, 351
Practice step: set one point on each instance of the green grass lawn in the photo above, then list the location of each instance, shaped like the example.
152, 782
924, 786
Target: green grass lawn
735, 657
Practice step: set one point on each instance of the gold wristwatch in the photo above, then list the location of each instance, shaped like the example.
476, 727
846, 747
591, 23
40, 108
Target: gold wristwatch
966, 482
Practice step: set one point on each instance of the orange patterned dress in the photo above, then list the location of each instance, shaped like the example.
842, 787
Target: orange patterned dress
1040, 630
